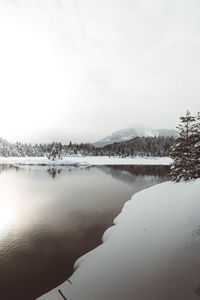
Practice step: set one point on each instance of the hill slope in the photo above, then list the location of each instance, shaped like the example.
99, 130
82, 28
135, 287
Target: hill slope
132, 132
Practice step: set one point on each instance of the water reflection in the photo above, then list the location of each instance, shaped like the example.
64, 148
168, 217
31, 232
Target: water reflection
140, 170
122, 172
50, 217
4, 168
130, 174
55, 171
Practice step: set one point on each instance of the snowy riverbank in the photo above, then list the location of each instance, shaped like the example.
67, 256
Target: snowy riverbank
86, 160
152, 252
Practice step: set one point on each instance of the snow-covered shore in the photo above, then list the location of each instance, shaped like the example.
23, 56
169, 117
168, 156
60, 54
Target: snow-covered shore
86, 160
152, 252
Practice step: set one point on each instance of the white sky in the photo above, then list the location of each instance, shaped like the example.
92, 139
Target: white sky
79, 70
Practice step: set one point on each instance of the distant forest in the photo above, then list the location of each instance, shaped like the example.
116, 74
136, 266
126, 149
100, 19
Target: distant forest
138, 146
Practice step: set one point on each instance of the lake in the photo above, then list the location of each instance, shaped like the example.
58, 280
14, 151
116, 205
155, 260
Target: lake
49, 217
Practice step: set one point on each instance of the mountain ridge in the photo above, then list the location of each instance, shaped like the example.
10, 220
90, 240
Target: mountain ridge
129, 133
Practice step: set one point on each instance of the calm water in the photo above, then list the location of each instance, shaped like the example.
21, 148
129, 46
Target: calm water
50, 217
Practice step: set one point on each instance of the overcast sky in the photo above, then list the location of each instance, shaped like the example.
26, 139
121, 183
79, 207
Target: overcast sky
80, 69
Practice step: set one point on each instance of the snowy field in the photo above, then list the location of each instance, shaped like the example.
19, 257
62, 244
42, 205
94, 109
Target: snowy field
86, 160
152, 252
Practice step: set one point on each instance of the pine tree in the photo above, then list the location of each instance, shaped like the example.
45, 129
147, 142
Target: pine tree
182, 153
196, 147
54, 151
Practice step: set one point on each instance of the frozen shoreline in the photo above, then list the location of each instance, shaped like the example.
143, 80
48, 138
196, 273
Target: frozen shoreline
152, 251
86, 160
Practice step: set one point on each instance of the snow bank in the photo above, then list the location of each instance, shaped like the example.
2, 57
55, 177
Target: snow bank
152, 251
67, 161
86, 160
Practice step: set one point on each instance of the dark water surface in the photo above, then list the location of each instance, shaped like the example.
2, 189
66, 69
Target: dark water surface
50, 217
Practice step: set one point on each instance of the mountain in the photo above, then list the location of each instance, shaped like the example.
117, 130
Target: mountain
132, 132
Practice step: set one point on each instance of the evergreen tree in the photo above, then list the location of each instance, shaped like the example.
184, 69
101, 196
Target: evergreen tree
196, 147
182, 152
54, 151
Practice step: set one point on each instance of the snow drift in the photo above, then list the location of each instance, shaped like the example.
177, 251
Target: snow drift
86, 160
152, 252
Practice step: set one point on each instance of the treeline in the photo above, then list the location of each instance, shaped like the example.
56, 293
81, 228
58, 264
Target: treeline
139, 146
18, 149
22, 149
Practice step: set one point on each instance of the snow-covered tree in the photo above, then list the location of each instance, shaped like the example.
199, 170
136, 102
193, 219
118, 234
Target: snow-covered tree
54, 151
182, 152
196, 147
